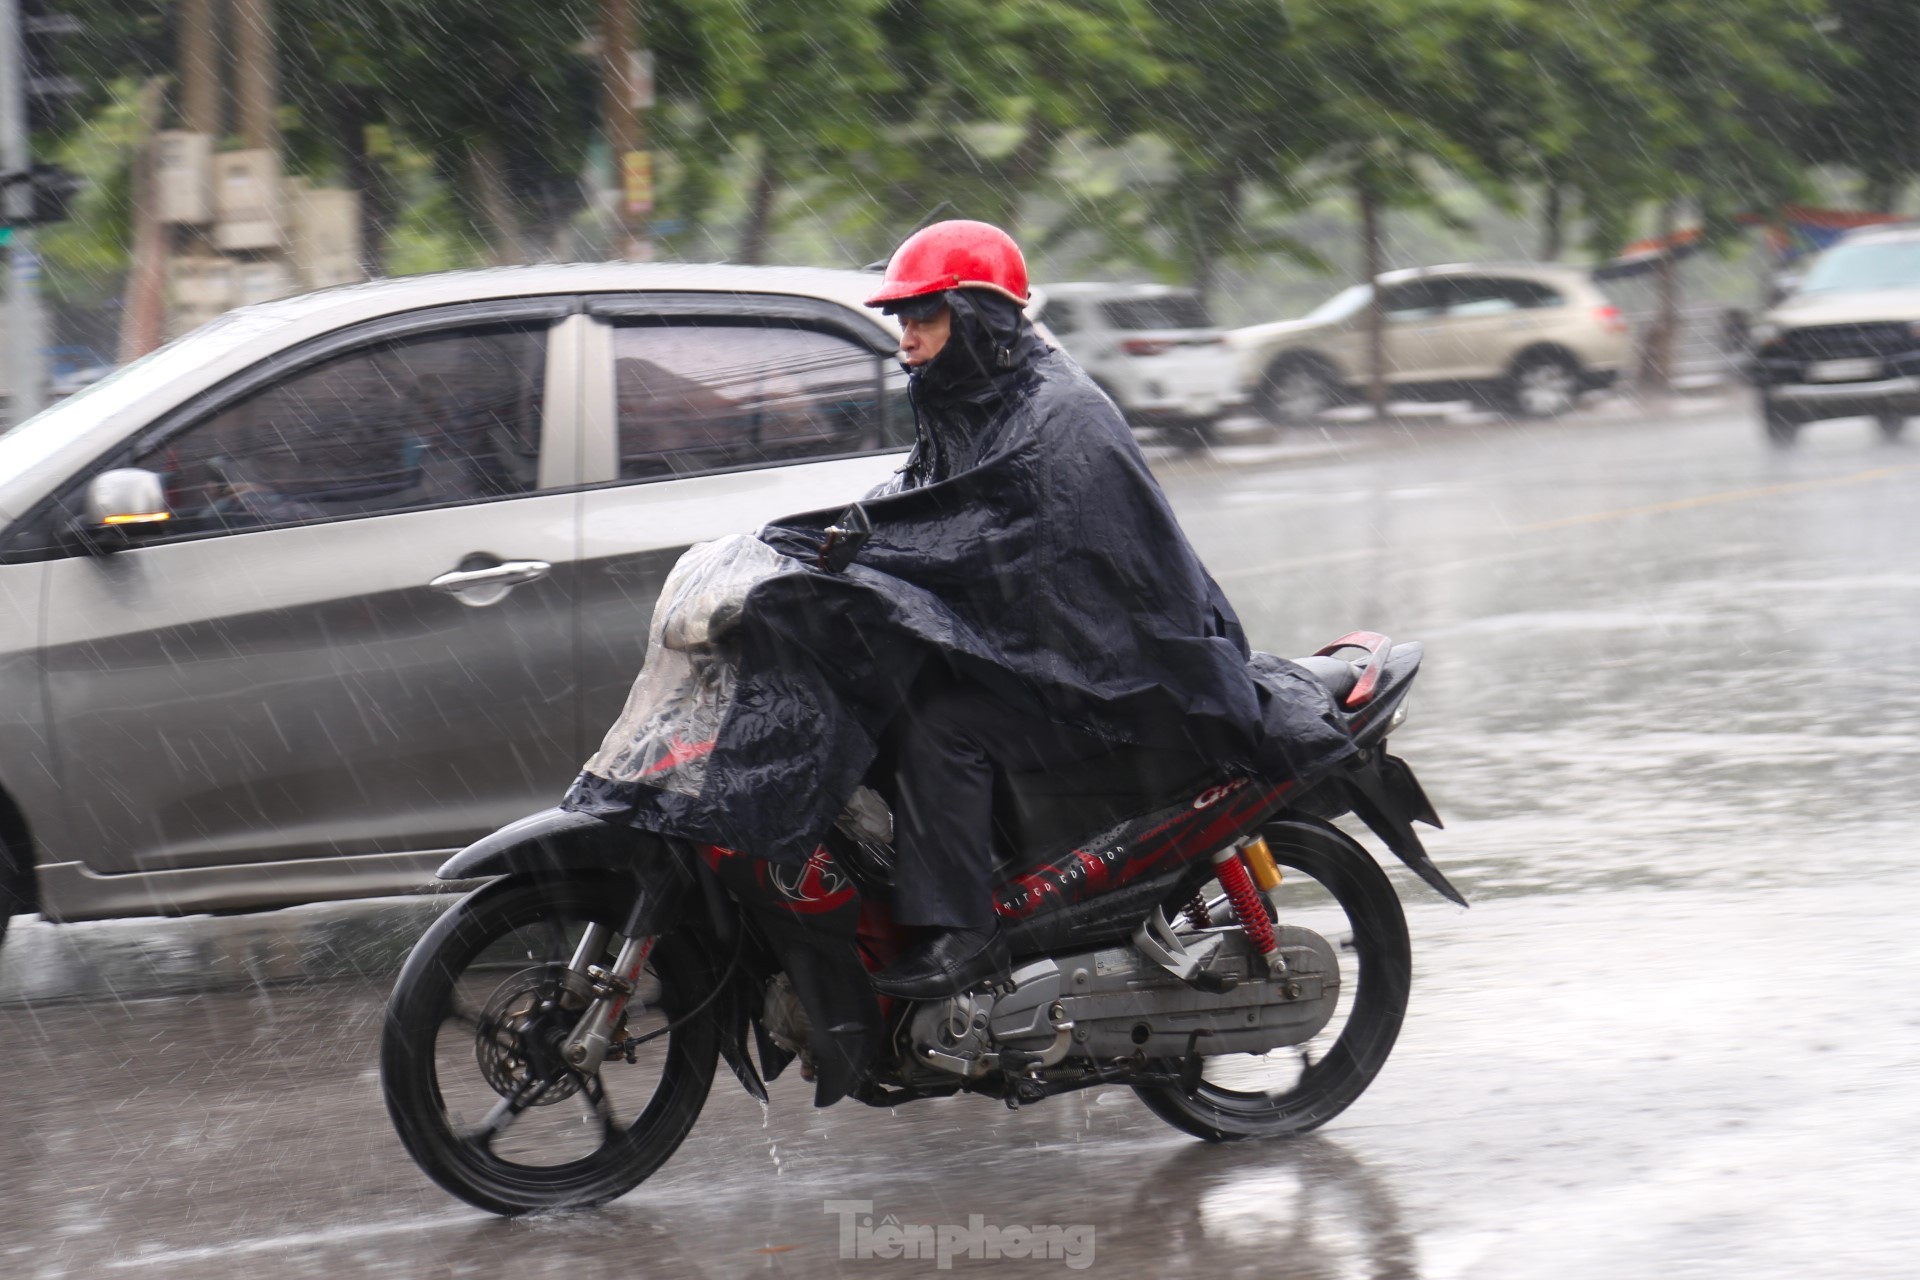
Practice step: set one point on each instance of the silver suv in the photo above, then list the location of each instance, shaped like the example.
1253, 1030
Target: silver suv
314, 595
1526, 339
1846, 342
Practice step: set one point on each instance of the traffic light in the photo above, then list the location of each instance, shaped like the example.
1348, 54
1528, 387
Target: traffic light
49, 192
45, 87
36, 193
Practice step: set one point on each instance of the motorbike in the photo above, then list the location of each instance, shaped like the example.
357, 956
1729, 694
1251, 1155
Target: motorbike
1211, 941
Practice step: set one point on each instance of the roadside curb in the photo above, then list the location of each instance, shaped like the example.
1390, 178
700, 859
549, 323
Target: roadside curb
365, 939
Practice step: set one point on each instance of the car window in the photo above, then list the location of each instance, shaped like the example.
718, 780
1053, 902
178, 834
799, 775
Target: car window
1881, 264
1532, 295
1415, 300
1059, 317
447, 417
1166, 311
1478, 296
1349, 301
697, 396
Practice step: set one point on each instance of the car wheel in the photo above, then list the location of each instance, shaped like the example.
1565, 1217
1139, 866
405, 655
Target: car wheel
1294, 392
1781, 430
1191, 435
1542, 386
1892, 426
16, 885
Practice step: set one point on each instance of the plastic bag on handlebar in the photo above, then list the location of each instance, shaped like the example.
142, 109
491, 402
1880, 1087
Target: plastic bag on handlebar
673, 714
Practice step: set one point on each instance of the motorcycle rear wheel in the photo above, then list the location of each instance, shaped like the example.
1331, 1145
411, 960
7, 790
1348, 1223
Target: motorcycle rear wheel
1378, 962
470, 1036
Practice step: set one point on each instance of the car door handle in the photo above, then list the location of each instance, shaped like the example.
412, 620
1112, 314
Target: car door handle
510, 573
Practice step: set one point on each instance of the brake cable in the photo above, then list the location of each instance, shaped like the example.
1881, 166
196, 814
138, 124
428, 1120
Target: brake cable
625, 1048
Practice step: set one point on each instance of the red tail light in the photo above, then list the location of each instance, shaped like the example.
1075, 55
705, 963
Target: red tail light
1610, 319
1146, 346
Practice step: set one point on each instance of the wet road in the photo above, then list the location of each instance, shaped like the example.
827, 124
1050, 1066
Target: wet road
1672, 714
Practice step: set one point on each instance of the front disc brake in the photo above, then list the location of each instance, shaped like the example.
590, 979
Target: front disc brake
525, 1023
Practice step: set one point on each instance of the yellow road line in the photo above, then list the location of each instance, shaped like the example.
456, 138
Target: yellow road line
1710, 499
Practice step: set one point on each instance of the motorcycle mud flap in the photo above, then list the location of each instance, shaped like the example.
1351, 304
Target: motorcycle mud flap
1389, 800
734, 1009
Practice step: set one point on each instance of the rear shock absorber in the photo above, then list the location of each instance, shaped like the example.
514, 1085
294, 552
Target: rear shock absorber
1248, 908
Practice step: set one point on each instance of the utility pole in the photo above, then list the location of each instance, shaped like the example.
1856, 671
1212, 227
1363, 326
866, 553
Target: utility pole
26, 369
623, 111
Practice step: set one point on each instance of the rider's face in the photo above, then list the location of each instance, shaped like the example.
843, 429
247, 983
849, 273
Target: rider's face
921, 340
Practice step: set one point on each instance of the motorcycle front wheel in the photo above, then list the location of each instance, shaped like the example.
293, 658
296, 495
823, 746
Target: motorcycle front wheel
1333, 886
469, 1054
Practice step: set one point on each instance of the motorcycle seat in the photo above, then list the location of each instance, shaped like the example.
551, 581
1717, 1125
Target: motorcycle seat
1040, 814
1339, 675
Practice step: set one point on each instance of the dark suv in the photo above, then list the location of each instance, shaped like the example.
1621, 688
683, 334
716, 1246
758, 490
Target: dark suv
1846, 342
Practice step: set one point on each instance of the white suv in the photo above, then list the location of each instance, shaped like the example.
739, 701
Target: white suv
1151, 347
1528, 340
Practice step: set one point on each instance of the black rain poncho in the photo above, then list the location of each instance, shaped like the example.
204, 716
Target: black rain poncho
1025, 544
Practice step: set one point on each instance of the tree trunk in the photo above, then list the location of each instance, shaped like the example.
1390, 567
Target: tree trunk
494, 204
1025, 168
1553, 233
199, 69
1213, 217
1656, 357
1371, 268
758, 230
143, 320
624, 124
366, 175
256, 73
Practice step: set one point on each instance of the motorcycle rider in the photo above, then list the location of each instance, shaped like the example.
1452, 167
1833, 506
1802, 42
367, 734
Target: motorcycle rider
1019, 595
958, 289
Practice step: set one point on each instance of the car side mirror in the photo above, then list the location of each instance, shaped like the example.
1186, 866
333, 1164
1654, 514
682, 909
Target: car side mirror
1784, 287
120, 505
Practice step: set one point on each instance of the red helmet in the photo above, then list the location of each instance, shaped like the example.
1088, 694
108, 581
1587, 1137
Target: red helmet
954, 255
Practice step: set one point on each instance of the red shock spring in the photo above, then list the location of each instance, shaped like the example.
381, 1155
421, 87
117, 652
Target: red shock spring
1247, 905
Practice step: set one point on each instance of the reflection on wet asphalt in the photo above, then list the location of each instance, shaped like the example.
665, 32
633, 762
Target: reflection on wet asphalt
1671, 713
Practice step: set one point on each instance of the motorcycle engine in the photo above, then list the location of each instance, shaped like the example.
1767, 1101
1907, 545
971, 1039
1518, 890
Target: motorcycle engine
785, 1018
1100, 1006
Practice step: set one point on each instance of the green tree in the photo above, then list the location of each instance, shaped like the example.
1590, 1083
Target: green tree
1870, 120
980, 94
501, 97
1728, 91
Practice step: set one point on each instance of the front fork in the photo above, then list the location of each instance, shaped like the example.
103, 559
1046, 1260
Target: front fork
586, 1048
